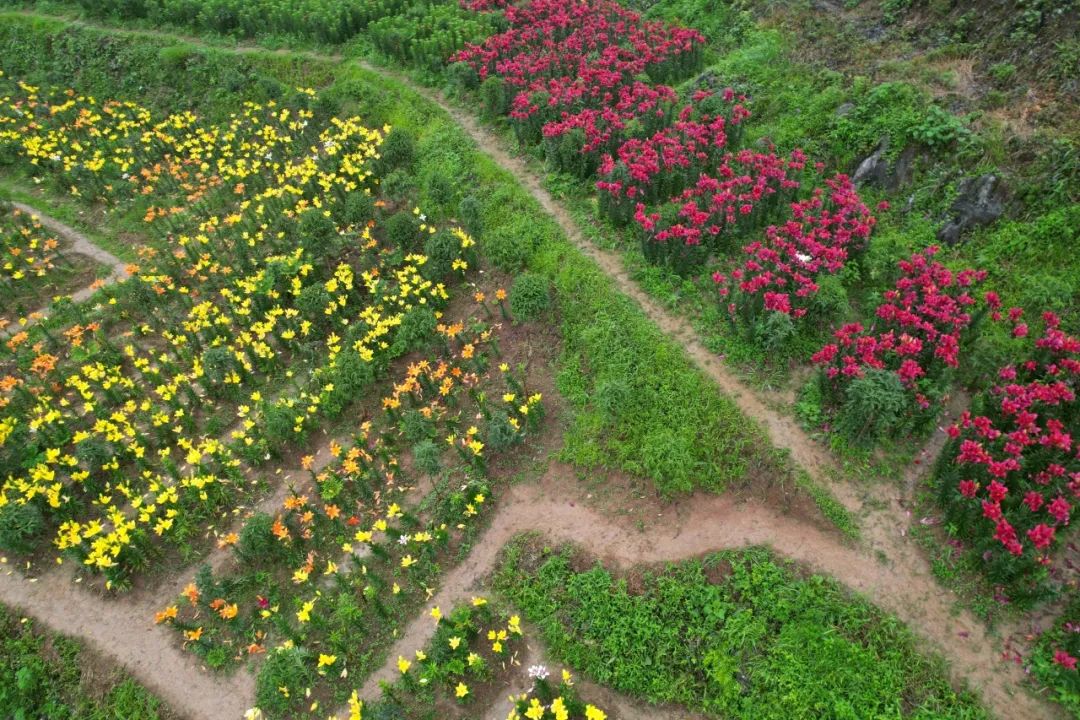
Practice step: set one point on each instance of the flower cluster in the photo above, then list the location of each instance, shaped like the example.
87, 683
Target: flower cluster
353, 542
919, 329
782, 271
268, 297
746, 189
658, 166
1013, 466
573, 66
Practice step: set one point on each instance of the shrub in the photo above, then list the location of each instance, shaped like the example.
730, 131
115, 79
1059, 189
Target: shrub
403, 231
500, 433
427, 455
285, 667
417, 326
774, 331
471, 215
874, 406
318, 234
19, 527
313, 301
529, 297
441, 249
358, 209
511, 246
257, 542
397, 152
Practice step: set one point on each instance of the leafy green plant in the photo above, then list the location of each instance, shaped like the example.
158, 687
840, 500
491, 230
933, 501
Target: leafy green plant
530, 297
737, 634
20, 525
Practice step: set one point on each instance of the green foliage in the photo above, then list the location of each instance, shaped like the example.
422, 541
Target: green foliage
441, 250
358, 209
403, 231
773, 331
318, 234
874, 407
397, 152
427, 455
736, 634
663, 419
257, 541
530, 296
472, 220
42, 677
20, 525
511, 245
52, 52
417, 327
1063, 683
284, 667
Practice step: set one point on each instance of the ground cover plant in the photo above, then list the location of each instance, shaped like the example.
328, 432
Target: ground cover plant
37, 265
43, 675
736, 634
476, 653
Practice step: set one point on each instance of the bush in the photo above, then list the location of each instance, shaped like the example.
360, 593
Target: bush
313, 300
500, 433
774, 330
829, 303
416, 327
403, 231
397, 152
20, 526
318, 234
874, 406
511, 246
427, 455
441, 249
472, 218
285, 667
529, 297
496, 97
358, 209
257, 541
399, 185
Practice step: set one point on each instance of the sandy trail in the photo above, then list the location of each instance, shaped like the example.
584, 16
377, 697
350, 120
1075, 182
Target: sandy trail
123, 630
79, 243
707, 523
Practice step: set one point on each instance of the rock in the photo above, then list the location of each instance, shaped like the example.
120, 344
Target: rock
877, 170
979, 201
903, 170
845, 109
874, 170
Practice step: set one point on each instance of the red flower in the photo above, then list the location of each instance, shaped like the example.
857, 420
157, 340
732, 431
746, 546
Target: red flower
1064, 659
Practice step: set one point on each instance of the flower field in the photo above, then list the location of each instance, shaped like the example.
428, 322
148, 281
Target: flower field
349, 358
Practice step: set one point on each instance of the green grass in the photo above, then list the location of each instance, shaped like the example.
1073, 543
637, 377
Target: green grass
735, 634
44, 675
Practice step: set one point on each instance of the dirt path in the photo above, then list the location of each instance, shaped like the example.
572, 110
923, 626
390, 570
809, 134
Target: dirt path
79, 243
708, 523
123, 630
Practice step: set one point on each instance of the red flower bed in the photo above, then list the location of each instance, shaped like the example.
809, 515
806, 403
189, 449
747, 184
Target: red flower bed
658, 166
1012, 469
563, 58
918, 331
782, 271
742, 191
